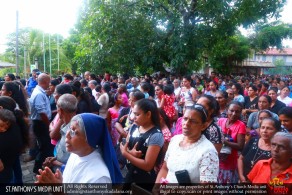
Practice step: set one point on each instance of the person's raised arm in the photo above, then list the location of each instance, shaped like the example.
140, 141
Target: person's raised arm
55, 129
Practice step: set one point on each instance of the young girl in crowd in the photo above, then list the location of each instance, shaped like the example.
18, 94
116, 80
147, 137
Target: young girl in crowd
122, 89
222, 99
167, 102
188, 94
213, 89
112, 117
165, 129
145, 88
143, 146
238, 92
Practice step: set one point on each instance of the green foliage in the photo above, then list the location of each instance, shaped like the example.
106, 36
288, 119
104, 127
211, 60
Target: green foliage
280, 68
270, 35
226, 53
123, 36
31, 40
138, 36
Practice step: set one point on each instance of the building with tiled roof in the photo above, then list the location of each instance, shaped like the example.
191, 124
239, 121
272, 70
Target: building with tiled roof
272, 54
261, 61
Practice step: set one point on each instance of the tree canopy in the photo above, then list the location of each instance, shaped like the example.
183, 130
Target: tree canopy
270, 35
129, 36
140, 35
34, 45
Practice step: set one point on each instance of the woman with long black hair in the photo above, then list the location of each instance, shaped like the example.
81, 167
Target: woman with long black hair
143, 146
14, 140
14, 90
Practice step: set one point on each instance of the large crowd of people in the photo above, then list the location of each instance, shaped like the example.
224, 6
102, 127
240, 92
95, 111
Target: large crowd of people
157, 129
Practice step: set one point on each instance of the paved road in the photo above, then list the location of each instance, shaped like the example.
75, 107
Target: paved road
27, 174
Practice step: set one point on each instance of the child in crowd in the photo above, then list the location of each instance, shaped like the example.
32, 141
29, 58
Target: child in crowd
145, 87
167, 102
165, 128
112, 117
122, 89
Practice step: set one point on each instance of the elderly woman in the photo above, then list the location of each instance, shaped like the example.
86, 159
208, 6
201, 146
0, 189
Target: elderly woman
92, 158
279, 166
202, 167
257, 148
255, 133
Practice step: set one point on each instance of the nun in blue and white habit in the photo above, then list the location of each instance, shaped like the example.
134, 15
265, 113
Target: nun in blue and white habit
92, 159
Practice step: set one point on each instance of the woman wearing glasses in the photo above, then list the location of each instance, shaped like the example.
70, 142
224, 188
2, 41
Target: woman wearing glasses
92, 159
234, 133
180, 161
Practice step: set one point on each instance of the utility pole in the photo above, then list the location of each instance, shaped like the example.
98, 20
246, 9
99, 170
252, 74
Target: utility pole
44, 52
24, 64
17, 57
50, 55
58, 53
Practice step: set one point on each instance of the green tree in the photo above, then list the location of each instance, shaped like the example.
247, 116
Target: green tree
280, 68
270, 35
31, 43
123, 36
227, 53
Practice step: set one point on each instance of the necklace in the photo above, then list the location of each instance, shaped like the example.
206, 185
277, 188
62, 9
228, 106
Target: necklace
254, 160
